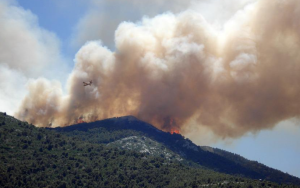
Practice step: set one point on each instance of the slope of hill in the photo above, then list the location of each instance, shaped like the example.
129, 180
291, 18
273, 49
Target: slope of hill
38, 157
145, 145
253, 165
113, 129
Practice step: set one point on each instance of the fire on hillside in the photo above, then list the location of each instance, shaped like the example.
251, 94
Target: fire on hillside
80, 120
174, 131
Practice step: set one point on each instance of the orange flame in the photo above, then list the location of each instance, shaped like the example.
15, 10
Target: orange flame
174, 131
80, 120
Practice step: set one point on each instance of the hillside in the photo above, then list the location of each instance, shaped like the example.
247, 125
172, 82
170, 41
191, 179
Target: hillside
145, 145
253, 165
113, 129
38, 157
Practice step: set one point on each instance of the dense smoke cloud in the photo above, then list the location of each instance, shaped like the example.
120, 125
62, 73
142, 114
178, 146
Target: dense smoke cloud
26, 51
104, 16
180, 68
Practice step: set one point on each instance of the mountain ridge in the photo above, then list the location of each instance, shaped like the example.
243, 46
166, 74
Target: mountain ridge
39, 157
206, 156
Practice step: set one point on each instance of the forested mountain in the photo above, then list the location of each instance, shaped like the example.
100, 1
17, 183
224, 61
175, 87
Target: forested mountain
88, 155
110, 130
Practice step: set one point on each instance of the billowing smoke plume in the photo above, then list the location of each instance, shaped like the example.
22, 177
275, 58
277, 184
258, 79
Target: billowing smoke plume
244, 77
104, 16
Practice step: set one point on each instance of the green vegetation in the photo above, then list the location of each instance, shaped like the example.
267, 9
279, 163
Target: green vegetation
38, 157
101, 135
274, 175
114, 130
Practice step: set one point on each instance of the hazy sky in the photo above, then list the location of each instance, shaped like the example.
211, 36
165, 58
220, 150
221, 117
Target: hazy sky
41, 39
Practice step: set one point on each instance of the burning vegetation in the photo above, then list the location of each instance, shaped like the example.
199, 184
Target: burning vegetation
80, 120
174, 131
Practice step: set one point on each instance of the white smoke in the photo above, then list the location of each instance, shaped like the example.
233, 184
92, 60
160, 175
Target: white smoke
26, 51
104, 16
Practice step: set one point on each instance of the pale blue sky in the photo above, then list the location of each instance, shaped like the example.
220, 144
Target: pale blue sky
59, 17
278, 148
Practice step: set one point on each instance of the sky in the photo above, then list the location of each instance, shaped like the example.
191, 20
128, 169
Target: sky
50, 46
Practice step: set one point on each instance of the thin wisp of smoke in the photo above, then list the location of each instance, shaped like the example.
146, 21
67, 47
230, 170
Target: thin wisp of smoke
243, 78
